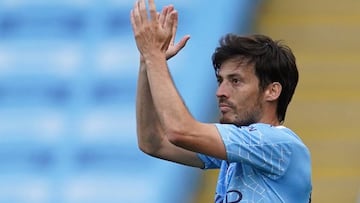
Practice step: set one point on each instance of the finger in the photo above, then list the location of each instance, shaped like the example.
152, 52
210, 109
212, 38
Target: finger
152, 10
135, 17
142, 10
132, 19
169, 10
171, 7
163, 16
158, 15
178, 47
174, 28
170, 22
165, 13
182, 42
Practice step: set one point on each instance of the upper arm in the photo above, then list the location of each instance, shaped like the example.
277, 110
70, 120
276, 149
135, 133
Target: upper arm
200, 137
170, 152
234, 144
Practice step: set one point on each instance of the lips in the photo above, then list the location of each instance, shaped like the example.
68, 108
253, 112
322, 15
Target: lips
224, 107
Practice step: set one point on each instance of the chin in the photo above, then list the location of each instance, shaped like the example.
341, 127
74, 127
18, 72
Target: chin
224, 120
235, 121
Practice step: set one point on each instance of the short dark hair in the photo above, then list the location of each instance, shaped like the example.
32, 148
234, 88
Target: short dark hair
273, 62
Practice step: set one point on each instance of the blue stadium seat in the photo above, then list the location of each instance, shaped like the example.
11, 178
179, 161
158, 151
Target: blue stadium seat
68, 72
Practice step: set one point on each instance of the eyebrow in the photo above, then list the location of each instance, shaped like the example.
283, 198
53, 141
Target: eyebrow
232, 75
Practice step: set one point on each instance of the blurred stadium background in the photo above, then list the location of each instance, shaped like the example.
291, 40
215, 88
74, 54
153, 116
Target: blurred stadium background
68, 74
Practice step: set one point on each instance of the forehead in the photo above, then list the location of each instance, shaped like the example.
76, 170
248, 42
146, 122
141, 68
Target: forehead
239, 66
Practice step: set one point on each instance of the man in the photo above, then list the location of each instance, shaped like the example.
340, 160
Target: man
259, 159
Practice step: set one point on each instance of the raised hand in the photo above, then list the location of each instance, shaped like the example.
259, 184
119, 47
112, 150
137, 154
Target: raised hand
173, 48
157, 33
152, 37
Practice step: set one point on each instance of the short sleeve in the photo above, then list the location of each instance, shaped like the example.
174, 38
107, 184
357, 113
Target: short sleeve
260, 145
209, 162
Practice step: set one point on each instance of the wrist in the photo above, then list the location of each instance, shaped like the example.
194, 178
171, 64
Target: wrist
153, 58
142, 60
153, 54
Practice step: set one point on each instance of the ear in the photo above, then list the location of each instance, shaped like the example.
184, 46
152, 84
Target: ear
273, 91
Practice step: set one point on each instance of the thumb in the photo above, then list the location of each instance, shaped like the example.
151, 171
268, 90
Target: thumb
181, 44
176, 48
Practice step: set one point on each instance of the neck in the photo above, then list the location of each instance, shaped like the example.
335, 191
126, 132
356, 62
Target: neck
270, 117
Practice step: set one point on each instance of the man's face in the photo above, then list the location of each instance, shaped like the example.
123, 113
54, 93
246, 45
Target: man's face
240, 99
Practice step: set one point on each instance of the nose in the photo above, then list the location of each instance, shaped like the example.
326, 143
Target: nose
222, 90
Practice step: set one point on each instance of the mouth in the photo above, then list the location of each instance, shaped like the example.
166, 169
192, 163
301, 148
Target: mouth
224, 107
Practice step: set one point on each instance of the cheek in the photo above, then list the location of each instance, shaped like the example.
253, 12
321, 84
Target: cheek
247, 101
243, 98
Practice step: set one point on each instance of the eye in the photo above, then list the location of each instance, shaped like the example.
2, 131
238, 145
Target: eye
219, 80
235, 81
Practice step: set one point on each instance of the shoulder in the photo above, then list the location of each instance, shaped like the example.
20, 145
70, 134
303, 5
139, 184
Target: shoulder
258, 132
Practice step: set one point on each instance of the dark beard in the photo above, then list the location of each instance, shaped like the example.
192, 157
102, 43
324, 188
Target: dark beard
247, 118
239, 122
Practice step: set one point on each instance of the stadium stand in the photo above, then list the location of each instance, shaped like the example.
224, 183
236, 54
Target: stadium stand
68, 74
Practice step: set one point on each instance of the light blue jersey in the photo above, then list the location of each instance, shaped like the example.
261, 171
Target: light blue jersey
267, 164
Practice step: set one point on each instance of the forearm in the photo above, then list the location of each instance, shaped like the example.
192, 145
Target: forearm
163, 121
169, 106
149, 132
151, 135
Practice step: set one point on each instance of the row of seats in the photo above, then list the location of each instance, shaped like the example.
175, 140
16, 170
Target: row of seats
68, 72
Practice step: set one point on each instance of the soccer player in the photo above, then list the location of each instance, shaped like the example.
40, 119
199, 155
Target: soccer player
260, 160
